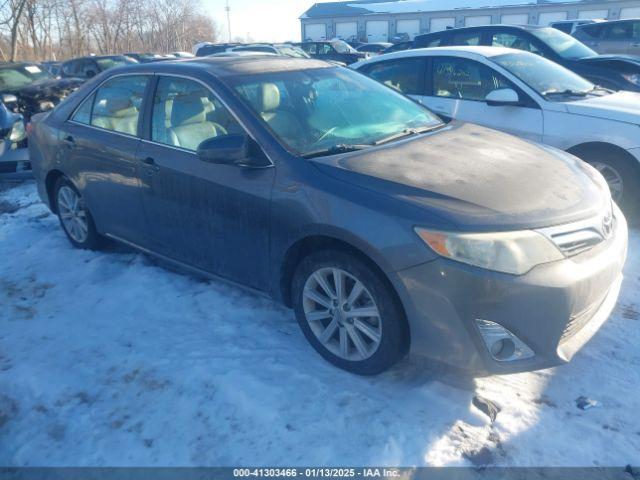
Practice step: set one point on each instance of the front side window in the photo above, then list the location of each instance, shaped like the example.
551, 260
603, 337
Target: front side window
463, 79
117, 104
467, 38
83, 114
513, 40
544, 76
404, 75
325, 109
186, 113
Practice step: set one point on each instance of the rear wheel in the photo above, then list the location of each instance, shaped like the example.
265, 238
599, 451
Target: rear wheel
75, 218
348, 313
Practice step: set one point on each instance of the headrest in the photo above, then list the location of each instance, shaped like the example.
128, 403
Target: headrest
188, 109
269, 97
119, 105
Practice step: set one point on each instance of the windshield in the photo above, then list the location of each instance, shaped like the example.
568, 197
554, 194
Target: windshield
543, 75
105, 63
323, 109
564, 45
342, 47
21, 75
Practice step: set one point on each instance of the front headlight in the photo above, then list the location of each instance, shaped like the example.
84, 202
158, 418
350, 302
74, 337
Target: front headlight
632, 78
18, 132
508, 252
45, 105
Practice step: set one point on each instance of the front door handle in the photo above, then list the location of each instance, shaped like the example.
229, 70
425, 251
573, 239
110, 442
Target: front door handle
69, 141
150, 165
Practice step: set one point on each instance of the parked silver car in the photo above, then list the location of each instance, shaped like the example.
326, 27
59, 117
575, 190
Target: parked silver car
620, 36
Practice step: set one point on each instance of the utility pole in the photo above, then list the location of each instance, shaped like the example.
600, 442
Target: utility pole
228, 10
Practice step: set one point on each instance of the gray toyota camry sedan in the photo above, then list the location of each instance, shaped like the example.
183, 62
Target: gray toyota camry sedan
386, 230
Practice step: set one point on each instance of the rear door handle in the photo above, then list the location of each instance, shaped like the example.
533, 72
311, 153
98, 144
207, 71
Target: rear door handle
150, 165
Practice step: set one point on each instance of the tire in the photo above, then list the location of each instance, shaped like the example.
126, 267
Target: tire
612, 164
87, 238
351, 345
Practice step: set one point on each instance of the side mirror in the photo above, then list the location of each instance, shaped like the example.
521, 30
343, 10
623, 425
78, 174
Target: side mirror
8, 98
503, 97
226, 149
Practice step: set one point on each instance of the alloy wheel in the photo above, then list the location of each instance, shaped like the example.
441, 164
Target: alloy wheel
73, 214
342, 314
613, 178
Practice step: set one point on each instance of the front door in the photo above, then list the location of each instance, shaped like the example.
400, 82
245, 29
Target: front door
214, 217
459, 87
100, 143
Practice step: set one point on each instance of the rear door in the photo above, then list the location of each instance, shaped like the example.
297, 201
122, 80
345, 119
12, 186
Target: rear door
211, 216
100, 142
458, 88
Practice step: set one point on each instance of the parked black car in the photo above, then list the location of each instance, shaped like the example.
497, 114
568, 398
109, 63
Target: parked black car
397, 47
88, 67
617, 72
335, 50
345, 200
14, 155
374, 48
27, 88
213, 48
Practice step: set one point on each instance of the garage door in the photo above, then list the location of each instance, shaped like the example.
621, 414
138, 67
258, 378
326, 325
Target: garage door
477, 21
515, 19
630, 12
591, 14
346, 30
548, 17
410, 27
315, 31
439, 24
378, 31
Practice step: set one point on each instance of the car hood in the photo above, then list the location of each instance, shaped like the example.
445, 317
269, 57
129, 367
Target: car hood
620, 106
477, 179
53, 90
633, 59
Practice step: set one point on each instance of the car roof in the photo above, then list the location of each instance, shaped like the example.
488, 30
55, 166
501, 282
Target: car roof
226, 66
462, 51
486, 27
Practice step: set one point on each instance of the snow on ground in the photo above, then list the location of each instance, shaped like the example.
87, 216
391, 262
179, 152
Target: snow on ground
110, 359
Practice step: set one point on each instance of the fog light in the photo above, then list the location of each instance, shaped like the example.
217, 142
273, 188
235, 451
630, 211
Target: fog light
503, 345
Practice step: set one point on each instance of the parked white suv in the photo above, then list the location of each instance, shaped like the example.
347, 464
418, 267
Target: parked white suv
529, 96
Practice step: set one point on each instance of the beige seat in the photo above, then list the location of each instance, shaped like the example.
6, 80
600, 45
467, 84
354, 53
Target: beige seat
116, 113
281, 121
189, 124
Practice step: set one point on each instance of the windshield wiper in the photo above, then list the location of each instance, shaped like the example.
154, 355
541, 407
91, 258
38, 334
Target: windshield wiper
335, 150
407, 132
567, 93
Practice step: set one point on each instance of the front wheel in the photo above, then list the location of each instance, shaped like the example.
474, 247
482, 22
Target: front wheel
348, 313
75, 218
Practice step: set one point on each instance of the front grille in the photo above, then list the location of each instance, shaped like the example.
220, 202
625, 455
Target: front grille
575, 238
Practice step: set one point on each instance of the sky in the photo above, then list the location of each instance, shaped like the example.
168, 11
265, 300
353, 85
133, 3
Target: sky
261, 20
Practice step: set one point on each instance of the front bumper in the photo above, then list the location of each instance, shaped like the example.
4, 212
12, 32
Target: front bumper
14, 160
554, 309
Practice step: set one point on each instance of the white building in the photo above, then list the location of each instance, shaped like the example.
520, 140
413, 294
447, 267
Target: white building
380, 20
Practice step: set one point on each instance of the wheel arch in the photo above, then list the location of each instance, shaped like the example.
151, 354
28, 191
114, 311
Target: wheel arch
50, 183
313, 243
587, 149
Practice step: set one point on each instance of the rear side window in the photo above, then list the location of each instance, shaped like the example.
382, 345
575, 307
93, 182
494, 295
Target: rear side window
565, 27
594, 31
185, 114
83, 114
117, 104
429, 41
405, 75
463, 79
